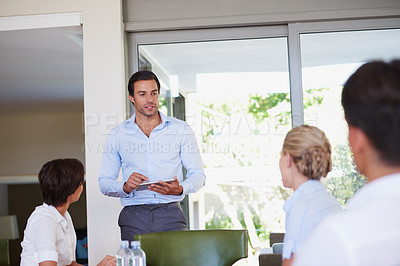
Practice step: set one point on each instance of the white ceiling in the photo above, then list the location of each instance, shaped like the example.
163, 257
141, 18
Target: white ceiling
41, 69
268, 55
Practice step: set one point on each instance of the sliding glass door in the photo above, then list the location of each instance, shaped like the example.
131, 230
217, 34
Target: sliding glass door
242, 90
237, 100
328, 59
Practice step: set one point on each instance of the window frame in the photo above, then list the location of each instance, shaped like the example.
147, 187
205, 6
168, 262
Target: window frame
291, 31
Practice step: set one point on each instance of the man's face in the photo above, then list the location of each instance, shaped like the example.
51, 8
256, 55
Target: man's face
145, 97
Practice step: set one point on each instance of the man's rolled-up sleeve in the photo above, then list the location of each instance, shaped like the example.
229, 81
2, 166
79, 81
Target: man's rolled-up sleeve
110, 168
191, 160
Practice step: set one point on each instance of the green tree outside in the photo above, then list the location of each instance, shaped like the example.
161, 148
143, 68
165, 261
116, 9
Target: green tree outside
236, 205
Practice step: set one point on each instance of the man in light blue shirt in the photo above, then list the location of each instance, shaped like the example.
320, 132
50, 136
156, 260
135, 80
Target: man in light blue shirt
150, 147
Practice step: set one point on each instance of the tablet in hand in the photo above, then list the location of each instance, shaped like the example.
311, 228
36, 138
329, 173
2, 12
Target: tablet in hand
145, 185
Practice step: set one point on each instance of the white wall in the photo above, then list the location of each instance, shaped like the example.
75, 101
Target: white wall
141, 15
104, 80
29, 140
104, 84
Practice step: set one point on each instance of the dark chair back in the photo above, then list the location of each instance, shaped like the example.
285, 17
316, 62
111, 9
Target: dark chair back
4, 255
273, 259
276, 238
270, 260
194, 247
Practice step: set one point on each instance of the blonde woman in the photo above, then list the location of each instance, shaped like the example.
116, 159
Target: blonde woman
305, 158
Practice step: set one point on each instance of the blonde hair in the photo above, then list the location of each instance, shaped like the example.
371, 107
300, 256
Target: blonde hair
310, 149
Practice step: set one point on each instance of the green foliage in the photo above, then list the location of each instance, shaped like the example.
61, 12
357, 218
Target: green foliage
342, 187
219, 220
216, 125
209, 131
313, 97
163, 102
283, 118
259, 105
350, 181
264, 109
211, 114
226, 109
260, 228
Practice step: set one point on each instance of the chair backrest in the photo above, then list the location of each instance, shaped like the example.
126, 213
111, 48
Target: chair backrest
277, 248
275, 238
4, 255
194, 247
270, 260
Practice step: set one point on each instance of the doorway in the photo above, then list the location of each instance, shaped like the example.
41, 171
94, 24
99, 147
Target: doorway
41, 109
237, 100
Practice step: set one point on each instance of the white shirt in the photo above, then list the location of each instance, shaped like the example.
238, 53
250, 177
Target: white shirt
366, 233
48, 236
305, 209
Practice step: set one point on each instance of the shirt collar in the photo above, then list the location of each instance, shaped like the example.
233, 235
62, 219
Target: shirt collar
164, 120
59, 218
305, 188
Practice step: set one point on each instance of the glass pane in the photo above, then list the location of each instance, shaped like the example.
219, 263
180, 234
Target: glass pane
328, 59
237, 101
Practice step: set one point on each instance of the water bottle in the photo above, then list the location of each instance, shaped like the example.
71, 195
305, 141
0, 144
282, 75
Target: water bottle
139, 257
124, 255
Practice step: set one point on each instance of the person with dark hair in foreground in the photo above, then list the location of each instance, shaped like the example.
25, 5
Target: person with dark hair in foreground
368, 231
150, 147
49, 236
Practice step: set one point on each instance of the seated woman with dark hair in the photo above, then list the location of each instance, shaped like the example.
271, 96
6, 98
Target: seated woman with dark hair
49, 236
305, 158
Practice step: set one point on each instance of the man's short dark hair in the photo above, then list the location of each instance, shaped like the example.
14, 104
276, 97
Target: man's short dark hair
142, 75
60, 178
371, 102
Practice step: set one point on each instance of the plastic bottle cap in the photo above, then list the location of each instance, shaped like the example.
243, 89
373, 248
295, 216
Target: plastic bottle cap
135, 244
124, 243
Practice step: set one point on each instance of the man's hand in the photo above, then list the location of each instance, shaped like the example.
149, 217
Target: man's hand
288, 262
108, 261
165, 188
134, 180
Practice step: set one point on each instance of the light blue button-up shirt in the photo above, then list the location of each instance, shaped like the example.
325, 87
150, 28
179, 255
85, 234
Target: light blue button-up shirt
309, 204
160, 156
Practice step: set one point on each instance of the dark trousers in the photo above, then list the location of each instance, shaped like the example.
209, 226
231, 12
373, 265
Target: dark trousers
149, 218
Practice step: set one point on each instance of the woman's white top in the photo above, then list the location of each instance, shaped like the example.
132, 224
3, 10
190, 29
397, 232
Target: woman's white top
48, 236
